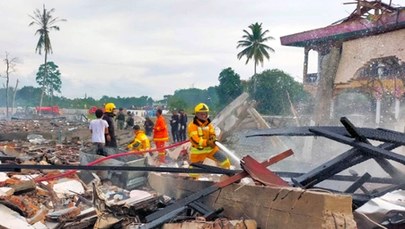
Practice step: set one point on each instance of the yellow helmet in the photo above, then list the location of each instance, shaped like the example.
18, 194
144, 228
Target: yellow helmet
109, 107
201, 107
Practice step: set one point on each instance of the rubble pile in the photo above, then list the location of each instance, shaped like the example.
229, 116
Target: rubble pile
39, 142
41, 188
54, 198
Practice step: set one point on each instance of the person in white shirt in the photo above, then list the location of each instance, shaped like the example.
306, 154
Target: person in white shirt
98, 128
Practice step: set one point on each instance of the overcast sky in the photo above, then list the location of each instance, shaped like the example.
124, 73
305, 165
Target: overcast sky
132, 48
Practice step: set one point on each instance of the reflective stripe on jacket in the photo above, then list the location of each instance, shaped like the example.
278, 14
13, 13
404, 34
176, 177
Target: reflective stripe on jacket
199, 132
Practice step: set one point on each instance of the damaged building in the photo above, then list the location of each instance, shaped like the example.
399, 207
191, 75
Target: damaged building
360, 63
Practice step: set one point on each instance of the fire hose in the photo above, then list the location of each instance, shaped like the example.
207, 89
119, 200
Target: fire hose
71, 172
99, 160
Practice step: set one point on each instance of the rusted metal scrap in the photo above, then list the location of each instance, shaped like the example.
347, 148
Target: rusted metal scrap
260, 173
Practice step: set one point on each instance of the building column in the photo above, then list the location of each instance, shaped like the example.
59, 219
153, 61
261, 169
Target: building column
397, 105
305, 71
378, 111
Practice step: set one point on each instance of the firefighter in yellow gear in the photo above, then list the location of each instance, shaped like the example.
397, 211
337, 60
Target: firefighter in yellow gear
202, 137
141, 141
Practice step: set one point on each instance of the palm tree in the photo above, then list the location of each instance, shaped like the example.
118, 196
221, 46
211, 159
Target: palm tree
253, 44
46, 22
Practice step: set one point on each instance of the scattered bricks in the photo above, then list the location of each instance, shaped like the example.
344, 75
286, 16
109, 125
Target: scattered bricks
22, 204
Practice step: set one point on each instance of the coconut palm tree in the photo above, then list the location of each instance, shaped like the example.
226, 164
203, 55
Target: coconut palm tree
253, 45
46, 22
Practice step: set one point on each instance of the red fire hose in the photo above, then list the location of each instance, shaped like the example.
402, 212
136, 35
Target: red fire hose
70, 172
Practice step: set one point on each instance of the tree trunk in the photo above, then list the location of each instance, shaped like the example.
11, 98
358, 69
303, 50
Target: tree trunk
7, 82
14, 94
328, 64
44, 83
255, 67
254, 79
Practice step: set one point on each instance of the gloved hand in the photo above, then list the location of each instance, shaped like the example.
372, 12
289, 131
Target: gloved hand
211, 142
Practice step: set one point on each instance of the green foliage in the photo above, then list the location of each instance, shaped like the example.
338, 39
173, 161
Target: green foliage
46, 22
3, 93
27, 96
230, 87
271, 92
48, 77
187, 98
254, 46
127, 102
176, 103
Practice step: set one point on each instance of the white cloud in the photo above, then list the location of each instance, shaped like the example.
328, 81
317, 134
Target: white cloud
135, 48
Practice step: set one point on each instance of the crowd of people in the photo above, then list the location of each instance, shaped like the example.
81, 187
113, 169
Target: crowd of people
200, 132
178, 124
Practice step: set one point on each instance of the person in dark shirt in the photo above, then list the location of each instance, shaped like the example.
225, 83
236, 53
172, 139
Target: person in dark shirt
130, 120
182, 125
148, 125
110, 139
121, 119
174, 124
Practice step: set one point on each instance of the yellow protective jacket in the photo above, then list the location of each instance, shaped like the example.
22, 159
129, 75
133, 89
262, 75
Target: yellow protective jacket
199, 133
160, 132
140, 142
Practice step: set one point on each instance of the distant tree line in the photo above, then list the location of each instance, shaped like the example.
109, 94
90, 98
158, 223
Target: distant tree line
28, 97
276, 93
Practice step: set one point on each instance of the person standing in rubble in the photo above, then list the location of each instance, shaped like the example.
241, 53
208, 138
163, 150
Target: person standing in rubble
120, 119
174, 126
182, 125
109, 113
148, 125
160, 135
140, 142
130, 120
202, 137
98, 128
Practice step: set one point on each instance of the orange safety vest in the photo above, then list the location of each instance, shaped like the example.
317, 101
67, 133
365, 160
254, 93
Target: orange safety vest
141, 140
160, 132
